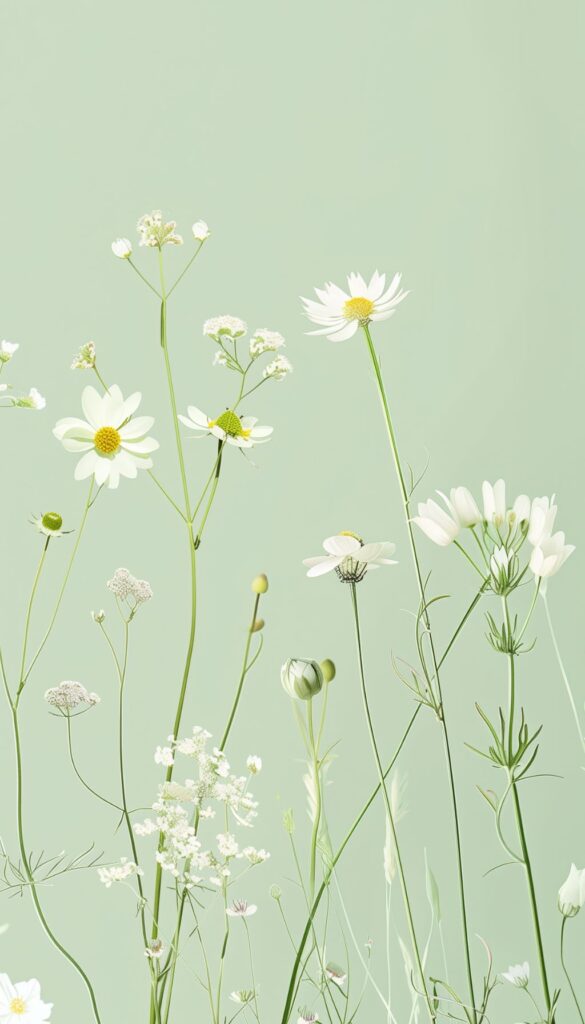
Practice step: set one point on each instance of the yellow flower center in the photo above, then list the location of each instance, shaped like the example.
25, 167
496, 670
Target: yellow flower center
230, 424
107, 440
17, 1005
358, 308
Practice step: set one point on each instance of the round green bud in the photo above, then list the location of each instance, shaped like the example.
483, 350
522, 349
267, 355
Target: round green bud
301, 678
328, 669
275, 892
52, 521
260, 584
258, 625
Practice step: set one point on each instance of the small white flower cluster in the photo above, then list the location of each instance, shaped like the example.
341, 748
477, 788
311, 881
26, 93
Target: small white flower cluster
181, 807
277, 369
125, 587
265, 341
224, 329
85, 358
34, 399
218, 327
118, 872
69, 695
155, 232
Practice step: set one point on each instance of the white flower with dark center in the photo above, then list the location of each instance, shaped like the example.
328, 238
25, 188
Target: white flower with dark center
118, 872
228, 427
350, 558
339, 314
277, 369
34, 400
113, 443
155, 233
70, 695
85, 358
50, 524
122, 248
7, 350
240, 908
336, 974
22, 1002
518, 975
219, 327
200, 231
550, 555
265, 341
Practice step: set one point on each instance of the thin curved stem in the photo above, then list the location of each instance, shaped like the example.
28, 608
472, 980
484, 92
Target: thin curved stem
566, 973
563, 672
89, 788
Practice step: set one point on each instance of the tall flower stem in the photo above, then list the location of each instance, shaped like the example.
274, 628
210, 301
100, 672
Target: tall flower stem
566, 973
562, 668
315, 769
426, 618
390, 816
521, 829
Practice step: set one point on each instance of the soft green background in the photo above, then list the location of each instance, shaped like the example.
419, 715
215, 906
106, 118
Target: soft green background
442, 139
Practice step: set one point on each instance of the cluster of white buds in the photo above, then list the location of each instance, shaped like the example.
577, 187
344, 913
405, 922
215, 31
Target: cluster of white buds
219, 328
70, 695
277, 369
133, 592
227, 331
155, 232
85, 358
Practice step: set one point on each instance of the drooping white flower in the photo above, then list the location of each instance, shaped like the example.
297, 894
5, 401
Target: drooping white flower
34, 400
85, 358
69, 695
7, 350
464, 506
339, 314
550, 555
439, 525
265, 341
277, 369
118, 872
243, 996
336, 974
200, 231
228, 427
308, 1017
224, 326
543, 513
21, 1003
518, 975
254, 764
350, 558
572, 892
113, 443
155, 950
240, 908
155, 233
122, 248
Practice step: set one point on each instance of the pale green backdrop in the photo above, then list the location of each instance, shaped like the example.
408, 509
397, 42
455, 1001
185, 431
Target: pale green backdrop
441, 139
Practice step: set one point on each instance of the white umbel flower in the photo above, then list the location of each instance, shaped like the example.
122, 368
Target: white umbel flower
7, 350
518, 975
350, 558
224, 326
21, 1003
277, 369
550, 555
240, 908
118, 872
340, 313
200, 231
265, 341
572, 892
228, 427
113, 443
70, 695
122, 248
85, 358
155, 232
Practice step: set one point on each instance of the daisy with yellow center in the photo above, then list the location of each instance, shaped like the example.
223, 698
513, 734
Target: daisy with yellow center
339, 313
228, 427
22, 1002
114, 443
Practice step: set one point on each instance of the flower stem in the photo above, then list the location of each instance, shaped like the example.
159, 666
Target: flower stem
562, 668
567, 976
390, 816
317, 784
243, 674
426, 618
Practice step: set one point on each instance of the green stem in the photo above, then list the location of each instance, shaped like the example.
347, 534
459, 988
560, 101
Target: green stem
567, 976
28, 616
242, 678
317, 785
562, 669
426, 619
94, 792
141, 275
100, 378
390, 816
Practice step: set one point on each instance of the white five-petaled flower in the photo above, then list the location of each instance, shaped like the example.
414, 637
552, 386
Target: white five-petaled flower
572, 892
349, 557
22, 1002
7, 350
122, 248
240, 908
518, 975
550, 555
113, 443
340, 313
228, 427
200, 231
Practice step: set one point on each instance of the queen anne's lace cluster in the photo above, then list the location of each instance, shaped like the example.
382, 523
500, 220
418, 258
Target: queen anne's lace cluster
155, 233
182, 806
127, 588
119, 872
69, 695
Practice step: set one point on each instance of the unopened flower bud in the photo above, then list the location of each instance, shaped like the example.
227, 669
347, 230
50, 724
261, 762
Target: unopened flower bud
328, 669
288, 821
302, 679
258, 625
122, 248
52, 521
572, 892
275, 892
98, 616
260, 584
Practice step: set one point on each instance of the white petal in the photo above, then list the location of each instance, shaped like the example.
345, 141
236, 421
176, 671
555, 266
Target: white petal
346, 332
137, 427
92, 405
86, 465
327, 565
341, 546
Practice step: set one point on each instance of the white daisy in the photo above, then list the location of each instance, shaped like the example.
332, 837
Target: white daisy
240, 908
114, 444
339, 314
349, 557
228, 427
21, 1003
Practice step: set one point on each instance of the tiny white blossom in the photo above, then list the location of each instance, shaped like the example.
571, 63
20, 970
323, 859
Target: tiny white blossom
34, 400
200, 231
7, 350
122, 248
240, 908
278, 369
85, 358
265, 341
224, 326
155, 233
227, 844
518, 975
118, 872
164, 755
254, 764
98, 616
155, 950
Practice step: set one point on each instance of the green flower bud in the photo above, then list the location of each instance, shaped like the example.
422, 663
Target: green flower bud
52, 521
288, 821
275, 892
301, 678
260, 584
258, 625
328, 669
